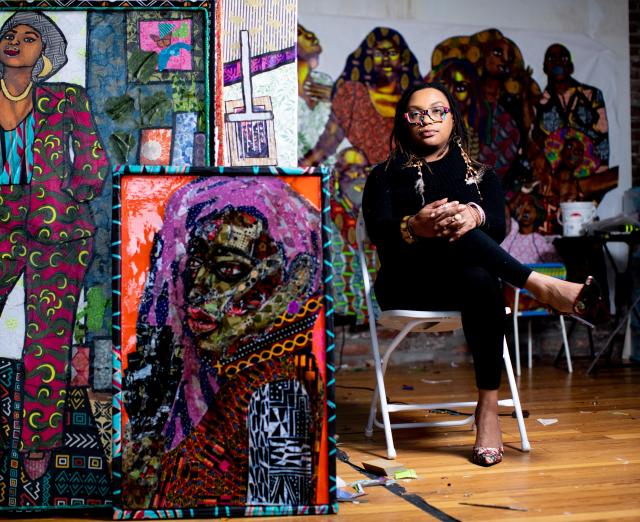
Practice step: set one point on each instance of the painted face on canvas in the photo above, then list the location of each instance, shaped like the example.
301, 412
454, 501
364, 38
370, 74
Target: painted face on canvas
351, 166
20, 46
386, 59
237, 281
557, 62
572, 152
308, 46
499, 59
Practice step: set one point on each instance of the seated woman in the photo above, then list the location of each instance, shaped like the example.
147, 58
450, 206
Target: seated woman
437, 218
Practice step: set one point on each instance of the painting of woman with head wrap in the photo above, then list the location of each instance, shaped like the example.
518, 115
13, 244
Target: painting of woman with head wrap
365, 96
224, 387
53, 166
507, 92
460, 77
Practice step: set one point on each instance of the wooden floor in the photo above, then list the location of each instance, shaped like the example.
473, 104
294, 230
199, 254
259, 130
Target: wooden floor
584, 467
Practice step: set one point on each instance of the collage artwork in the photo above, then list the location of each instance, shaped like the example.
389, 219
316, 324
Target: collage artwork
219, 277
151, 418
166, 324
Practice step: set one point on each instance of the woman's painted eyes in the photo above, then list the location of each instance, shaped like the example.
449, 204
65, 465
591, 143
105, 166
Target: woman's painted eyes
27, 39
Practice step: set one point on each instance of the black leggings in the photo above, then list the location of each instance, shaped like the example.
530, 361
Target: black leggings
464, 275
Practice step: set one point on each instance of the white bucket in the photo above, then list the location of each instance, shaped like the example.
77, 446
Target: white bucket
574, 215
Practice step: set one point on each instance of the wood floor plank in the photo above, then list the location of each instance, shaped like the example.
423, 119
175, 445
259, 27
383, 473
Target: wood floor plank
585, 467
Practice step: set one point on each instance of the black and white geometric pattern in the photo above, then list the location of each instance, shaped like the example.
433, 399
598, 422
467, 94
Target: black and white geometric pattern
280, 462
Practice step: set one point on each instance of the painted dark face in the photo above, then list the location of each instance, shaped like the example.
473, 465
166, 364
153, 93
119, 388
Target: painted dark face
20, 46
235, 281
386, 59
572, 152
557, 63
499, 59
458, 83
352, 168
526, 213
308, 46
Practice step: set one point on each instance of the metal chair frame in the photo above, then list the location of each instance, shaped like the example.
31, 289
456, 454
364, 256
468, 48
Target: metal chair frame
406, 321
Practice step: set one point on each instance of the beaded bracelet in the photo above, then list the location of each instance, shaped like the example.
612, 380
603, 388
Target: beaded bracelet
480, 211
405, 230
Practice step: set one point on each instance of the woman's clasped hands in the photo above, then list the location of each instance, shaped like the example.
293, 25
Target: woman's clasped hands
444, 218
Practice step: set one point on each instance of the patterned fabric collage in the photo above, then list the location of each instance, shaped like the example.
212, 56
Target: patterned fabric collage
165, 341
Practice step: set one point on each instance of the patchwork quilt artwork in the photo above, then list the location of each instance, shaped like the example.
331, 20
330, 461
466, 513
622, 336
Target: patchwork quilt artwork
109, 85
223, 343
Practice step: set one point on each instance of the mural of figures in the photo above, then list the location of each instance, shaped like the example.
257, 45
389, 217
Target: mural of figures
223, 358
67, 114
54, 166
314, 92
511, 122
570, 150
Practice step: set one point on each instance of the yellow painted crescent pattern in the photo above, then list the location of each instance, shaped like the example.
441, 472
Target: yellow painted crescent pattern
50, 368
83, 257
43, 102
32, 418
54, 420
53, 213
32, 257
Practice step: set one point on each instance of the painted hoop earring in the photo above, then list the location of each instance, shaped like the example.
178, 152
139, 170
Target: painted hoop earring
47, 67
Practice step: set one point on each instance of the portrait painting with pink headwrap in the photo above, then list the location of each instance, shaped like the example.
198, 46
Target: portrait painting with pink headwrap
222, 341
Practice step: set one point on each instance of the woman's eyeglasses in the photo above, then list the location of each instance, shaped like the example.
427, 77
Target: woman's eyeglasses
417, 116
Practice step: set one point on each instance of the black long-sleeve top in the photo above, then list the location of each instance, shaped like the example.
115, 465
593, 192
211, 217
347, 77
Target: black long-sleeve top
390, 194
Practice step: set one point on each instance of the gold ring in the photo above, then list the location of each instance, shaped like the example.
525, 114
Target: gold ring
457, 217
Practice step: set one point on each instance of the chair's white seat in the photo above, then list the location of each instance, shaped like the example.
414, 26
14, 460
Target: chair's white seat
429, 321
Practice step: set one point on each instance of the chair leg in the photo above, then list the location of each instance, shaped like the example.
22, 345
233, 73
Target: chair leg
516, 398
373, 410
529, 345
565, 341
516, 333
380, 391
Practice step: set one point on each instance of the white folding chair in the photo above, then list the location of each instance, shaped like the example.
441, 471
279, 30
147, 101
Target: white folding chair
406, 321
553, 269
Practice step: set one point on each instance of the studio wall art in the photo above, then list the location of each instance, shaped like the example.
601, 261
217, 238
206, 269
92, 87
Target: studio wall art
110, 83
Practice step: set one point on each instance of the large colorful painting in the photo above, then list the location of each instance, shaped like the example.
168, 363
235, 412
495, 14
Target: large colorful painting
548, 145
223, 342
82, 90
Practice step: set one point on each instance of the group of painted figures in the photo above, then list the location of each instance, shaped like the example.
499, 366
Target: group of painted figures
547, 146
